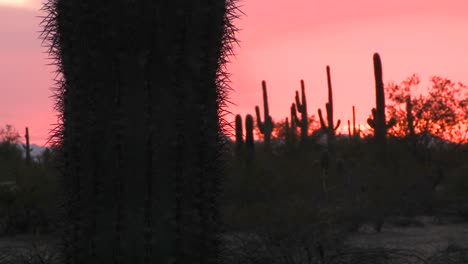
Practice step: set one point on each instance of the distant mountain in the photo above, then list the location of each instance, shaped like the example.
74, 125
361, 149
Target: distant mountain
36, 150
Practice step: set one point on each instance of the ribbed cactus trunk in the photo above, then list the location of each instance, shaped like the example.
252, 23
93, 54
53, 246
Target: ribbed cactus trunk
141, 102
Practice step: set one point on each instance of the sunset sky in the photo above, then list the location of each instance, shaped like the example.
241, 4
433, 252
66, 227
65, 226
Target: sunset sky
281, 42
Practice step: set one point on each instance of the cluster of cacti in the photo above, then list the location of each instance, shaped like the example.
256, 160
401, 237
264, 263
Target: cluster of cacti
265, 127
301, 107
26, 147
134, 190
378, 121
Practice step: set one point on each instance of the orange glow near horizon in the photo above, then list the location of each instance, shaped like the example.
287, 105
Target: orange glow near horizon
281, 43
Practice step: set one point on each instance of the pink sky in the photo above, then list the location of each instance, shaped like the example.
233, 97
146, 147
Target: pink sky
281, 42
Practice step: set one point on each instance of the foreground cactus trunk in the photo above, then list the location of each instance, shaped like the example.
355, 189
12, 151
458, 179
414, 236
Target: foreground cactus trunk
141, 100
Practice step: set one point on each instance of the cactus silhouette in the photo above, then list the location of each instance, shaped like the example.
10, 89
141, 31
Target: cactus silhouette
26, 147
301, 107
134, 190
239, 135
265, 127
249, 140
329, 127
291, 136
378, 121
355, 132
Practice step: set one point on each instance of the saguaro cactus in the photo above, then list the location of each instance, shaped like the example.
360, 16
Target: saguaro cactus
141, 103
26, 147
378, 121
291, 131
329, 126
266, 126
301, 107
249, 138
239, 135
354, 132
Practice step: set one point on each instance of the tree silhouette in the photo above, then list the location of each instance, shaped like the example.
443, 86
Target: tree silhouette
442, 112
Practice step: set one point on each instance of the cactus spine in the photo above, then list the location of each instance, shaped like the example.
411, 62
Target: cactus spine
301, 107
266, 126
378, 122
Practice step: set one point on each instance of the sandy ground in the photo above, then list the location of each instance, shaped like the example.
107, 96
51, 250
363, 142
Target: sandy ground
435, 235
426, 239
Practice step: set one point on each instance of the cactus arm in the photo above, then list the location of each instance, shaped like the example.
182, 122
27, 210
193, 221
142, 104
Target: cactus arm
337, 124
322, 122
371, 122
294, 115
260, 124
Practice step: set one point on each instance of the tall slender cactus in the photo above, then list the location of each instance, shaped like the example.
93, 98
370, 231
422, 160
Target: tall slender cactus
239, 135
265, 127
379, 122
329, 126
301, 107
355, 132
291, 132
141, 98
249, 139
26, 147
